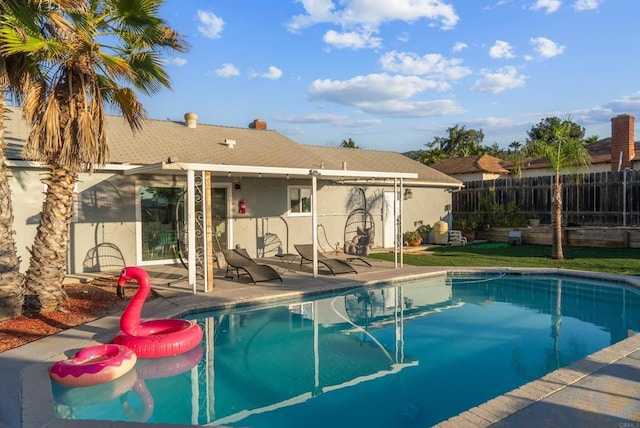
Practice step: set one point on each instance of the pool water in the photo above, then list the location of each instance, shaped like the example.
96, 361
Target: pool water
410, 354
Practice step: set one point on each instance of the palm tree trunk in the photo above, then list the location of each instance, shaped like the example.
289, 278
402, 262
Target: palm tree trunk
48, 262
556, 207
11, 280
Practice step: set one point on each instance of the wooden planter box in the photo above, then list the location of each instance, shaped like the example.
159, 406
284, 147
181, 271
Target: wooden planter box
602, 237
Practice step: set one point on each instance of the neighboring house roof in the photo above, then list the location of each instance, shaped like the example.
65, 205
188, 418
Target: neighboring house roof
210, 144
471, 164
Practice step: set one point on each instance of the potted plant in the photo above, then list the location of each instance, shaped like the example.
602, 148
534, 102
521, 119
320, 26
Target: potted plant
413, 238
424, 230
534, 219
467, 225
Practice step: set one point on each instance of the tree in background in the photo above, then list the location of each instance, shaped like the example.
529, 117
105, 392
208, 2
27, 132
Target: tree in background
349, 144
461, 142
86, 53
560, 142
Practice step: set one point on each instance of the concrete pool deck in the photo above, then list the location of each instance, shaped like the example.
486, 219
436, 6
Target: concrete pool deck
601, 390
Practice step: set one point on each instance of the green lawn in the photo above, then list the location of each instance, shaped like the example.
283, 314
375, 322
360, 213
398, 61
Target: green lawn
611, 260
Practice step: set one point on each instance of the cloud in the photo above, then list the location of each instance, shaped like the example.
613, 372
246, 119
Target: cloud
351, 40
503, 79
432, 65
501, 49
274, 73
227, 70
210, 25
371, 13
398, 108
332, 119
546, 48
459, 47
581, 5
177, 61
549, 5
371, 88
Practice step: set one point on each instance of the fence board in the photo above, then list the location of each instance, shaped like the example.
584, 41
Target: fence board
602, 198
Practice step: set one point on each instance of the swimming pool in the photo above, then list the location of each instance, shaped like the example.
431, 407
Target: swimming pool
410, 354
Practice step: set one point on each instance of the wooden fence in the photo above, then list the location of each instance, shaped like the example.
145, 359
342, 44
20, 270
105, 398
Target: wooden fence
598, 199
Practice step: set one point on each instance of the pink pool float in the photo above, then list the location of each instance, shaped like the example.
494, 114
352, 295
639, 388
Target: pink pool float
156, 338
94, 365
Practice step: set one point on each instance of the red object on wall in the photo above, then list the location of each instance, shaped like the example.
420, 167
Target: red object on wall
243, 207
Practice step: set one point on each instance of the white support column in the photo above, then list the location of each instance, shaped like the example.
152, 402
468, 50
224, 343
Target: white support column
395, 223
205, 221
401, 198
314, 221
191, 220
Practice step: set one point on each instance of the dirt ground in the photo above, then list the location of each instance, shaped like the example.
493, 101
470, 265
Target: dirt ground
87, 302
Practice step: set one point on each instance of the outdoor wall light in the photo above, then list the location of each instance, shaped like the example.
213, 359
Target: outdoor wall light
408, 194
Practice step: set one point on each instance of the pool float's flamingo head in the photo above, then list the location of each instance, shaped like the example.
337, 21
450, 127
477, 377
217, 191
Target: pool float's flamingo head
131, 272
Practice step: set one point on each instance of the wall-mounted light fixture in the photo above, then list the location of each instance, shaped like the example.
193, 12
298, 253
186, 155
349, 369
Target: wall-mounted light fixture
408, 194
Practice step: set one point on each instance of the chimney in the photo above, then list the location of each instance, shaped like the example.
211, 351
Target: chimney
622, 142
258, 124
191, 120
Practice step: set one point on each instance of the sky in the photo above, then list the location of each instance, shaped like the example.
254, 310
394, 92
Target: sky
395, 74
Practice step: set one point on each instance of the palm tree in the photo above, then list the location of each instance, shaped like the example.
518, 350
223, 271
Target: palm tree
563, 148
87, 52
14, 71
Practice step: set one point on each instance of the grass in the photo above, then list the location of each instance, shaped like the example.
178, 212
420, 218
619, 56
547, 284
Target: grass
625, 261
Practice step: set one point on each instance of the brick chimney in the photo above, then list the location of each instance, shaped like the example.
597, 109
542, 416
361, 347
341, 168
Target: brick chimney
258, 124
622, 141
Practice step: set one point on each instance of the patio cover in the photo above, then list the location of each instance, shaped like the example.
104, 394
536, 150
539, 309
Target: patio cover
221, 170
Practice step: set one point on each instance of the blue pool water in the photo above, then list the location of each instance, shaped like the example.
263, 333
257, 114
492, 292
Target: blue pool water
407, 355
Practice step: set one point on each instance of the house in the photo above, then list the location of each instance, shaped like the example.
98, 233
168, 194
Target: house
472, 168
184, 185
614, 153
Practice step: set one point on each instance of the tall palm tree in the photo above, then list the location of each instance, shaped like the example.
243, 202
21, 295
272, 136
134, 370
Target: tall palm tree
14, 72
563, 149
88, 52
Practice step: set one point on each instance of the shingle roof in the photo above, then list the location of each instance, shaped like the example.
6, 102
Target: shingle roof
471, 164
205, 144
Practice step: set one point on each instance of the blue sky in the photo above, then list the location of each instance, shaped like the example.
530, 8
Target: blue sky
394, 74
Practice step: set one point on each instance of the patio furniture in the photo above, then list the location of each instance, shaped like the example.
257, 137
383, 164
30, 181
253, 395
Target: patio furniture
456, 238
239, 259
359, 232
335, 266
515, 237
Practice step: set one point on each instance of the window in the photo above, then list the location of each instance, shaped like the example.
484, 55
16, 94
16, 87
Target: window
299, 200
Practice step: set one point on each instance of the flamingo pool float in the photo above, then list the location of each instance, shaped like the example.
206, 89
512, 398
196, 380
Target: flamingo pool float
155, 338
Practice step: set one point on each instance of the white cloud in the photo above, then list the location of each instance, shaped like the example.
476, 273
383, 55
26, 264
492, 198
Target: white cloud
274, 73
210, 24
371, 13
177, 61
459, 47
351, 40
549, 5
227, 70
431, 65
546, 48
398, 108
501, 49
503, 79
371, 88
332, 119
581, 5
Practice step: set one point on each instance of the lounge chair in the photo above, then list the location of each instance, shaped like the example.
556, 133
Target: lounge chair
239, 259
335, 266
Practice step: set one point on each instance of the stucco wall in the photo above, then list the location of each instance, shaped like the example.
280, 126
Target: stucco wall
106, 217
